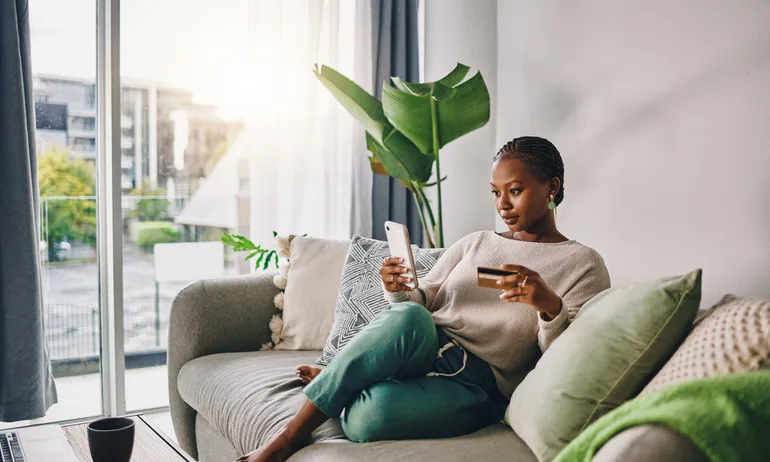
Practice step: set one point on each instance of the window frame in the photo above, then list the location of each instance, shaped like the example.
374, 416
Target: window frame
109, 210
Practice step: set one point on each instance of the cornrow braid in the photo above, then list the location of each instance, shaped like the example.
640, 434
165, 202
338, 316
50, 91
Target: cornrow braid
541, 155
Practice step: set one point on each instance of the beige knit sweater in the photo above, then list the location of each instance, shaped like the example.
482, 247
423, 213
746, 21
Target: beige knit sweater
508, 336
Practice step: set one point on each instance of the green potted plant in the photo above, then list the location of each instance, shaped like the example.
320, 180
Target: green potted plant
406, 130
264, 257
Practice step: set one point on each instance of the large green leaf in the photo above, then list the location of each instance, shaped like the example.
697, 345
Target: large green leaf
465, 111
372, 145
456, 76
403, 160
364, 107
418, 89
411, 115
414, 120
376, 164
425, 88
460, 108
441, 92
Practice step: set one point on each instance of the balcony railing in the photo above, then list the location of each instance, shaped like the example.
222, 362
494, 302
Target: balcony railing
72, 329
71, 312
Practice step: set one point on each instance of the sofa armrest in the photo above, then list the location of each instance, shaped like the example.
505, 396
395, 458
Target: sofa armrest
229, 314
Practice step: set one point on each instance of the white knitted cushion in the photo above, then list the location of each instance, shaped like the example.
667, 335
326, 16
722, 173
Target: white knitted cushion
733, 337
312, 281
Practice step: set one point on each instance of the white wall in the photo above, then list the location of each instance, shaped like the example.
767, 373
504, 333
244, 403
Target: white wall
464, 31
662, 113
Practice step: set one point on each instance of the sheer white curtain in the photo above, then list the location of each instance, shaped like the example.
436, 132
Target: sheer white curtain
308, 166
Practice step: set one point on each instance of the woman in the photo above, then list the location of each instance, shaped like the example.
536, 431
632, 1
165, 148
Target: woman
443, 360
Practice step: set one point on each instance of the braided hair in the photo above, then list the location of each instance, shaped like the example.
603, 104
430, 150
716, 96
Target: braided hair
541, 155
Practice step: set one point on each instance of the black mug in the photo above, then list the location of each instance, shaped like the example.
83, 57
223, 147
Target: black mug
111, 439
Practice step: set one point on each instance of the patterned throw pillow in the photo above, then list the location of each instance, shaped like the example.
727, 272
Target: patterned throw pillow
733, 337
361, 296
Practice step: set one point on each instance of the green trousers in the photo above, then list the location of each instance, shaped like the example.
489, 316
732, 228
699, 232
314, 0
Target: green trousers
401, 377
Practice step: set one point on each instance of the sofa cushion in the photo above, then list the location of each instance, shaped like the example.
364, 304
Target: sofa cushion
645, 443
361, 296
212, 446
495, 442
312, 283
733, 337
617, 341
249, 397
245, 398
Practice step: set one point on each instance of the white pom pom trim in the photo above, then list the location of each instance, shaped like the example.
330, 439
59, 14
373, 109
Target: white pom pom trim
276, 327
279, 281
283, 244
284, 271
278, 300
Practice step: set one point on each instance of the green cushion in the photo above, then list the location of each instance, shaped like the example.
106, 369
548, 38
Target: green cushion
617, 342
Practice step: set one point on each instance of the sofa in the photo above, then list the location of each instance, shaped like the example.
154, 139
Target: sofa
227, 397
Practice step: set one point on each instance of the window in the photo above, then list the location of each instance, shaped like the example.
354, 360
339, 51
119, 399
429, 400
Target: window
177, 124
83, 144
82, 123
172, 105
51, 116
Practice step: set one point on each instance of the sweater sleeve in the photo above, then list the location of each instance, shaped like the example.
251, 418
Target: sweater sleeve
430, 284
594, 279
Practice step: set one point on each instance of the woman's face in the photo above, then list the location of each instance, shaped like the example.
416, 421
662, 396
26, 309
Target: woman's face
520, 198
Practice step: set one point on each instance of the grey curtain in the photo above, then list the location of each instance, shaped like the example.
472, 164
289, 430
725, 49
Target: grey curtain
26, 384
395, 54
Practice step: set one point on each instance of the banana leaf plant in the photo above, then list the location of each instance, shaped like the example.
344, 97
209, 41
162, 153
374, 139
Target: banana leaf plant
406, 130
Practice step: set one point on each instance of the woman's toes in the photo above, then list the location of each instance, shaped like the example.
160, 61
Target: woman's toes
307, 373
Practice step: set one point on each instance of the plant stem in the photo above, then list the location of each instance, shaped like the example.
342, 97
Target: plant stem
418, 199
439, 230
426, 202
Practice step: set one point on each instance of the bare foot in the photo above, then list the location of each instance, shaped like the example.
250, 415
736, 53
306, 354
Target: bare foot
280, 448
307, 373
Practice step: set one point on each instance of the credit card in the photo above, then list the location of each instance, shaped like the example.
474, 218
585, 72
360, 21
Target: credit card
487, 276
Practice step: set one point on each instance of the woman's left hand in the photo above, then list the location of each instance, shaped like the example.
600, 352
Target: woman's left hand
528, 287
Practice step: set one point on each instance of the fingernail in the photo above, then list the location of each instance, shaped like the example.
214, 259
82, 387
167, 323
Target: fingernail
502, 296
409, 279
499, 282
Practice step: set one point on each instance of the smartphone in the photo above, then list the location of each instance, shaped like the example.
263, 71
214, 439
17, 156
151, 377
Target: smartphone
400, 247
488, 276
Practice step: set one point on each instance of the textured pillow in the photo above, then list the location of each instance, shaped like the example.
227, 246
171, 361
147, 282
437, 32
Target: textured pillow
733, 337
360, 296
310, 292
617, 341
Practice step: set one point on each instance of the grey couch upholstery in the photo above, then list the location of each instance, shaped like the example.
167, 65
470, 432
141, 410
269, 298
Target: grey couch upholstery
214, 316
227, 397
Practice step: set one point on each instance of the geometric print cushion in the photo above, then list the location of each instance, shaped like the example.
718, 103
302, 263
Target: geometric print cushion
361, 296
733, 337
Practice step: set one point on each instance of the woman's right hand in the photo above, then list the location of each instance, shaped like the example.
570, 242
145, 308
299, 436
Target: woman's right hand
391, 274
